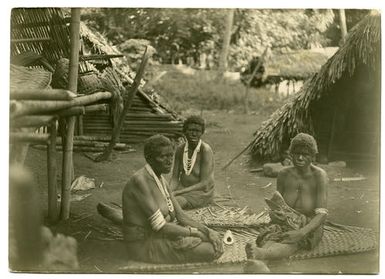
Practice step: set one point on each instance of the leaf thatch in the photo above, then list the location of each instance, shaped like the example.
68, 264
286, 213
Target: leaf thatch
362, 46
299, 64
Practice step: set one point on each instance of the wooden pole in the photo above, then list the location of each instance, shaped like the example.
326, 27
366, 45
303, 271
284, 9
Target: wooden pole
127, 104
332, 131
23, 107
80, 125
32, 121
93, 108
344, 30
42, 94
70, 111
53, 213
28, 137
239, 154
72, 86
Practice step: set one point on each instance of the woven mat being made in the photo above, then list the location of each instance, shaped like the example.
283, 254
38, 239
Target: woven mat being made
228, 217
337, 239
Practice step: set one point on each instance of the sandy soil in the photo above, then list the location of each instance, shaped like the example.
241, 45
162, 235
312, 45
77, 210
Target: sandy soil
350, 203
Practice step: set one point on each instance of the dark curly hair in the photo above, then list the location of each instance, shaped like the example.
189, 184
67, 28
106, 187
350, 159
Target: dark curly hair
194, 119
304, 140
153, 144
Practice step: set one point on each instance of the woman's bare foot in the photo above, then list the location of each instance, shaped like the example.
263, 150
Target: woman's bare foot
254, 252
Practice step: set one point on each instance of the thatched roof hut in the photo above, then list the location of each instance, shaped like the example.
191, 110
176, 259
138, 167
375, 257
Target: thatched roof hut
40, 38
297, 65
340, 105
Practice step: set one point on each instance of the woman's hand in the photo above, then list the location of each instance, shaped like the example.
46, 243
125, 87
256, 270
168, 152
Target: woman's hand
292, 237
197, 233
202, 236
216, 239
178, 192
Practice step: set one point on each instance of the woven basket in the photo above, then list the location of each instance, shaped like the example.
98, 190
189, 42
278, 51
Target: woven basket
87, 83
29, 78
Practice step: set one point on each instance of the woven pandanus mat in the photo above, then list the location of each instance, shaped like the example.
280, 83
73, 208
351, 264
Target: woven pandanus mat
232, 255
339, 239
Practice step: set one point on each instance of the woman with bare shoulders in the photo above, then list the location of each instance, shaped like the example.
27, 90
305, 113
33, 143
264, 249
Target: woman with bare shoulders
297, 209
193, 173
155, 227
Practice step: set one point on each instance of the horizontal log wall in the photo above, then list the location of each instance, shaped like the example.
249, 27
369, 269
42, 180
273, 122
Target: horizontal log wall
141, 122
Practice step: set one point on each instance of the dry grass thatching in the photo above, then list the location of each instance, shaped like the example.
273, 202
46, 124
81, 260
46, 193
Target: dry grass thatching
296, 65
362, 46
100, 45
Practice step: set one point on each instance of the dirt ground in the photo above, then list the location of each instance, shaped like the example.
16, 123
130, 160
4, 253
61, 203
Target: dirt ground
351, 203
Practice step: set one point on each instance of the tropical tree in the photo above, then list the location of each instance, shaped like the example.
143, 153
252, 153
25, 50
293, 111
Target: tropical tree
280, 30
193, 31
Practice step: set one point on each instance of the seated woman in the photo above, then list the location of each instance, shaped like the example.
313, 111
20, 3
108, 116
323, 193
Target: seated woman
155, 227
298, 209
192, 179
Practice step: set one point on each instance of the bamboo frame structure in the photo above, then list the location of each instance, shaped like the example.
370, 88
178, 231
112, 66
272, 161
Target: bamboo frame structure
23, 107
33, 121
53, 213
28, 137
51, 94
78, 110
72, 86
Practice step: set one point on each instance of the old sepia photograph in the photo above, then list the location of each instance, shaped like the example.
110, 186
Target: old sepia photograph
169, 140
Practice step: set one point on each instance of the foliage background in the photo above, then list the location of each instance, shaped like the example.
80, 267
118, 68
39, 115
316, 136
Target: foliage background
197, 31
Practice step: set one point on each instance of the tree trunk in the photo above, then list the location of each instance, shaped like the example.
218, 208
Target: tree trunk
344, 31
226, 43
131, 92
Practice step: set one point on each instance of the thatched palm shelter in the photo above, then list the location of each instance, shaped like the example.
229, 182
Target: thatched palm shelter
340, 105
47, 40
31, 107
41, 37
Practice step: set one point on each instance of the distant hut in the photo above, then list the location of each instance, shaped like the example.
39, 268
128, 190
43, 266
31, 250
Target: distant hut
340, 105
286, 72
40, 38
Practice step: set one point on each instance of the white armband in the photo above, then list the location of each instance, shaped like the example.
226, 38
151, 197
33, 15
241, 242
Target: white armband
321, 210
157, 220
